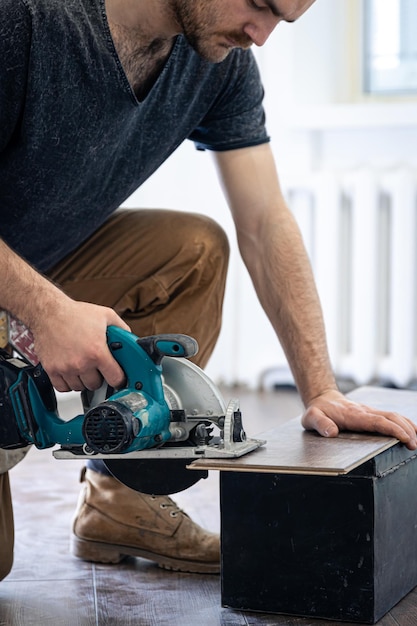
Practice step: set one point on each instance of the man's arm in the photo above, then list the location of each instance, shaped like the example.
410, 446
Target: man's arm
272, 249
70, 336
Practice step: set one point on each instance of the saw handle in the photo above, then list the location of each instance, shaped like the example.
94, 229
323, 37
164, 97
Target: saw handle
159, 346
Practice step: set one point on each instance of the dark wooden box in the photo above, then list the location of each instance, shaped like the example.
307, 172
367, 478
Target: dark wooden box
319, 541
341, 548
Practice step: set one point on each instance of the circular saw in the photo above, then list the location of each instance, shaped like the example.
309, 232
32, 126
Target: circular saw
168, 414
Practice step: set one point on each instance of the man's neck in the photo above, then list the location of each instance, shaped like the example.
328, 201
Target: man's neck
152, 18
143, 36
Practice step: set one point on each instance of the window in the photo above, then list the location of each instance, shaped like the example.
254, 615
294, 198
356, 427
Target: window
390, 46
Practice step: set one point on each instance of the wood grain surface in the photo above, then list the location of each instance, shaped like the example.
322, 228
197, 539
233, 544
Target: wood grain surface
292, 450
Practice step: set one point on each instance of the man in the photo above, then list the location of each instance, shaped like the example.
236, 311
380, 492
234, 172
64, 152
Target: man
95, 95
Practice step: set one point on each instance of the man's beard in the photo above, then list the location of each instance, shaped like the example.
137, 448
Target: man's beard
197, 23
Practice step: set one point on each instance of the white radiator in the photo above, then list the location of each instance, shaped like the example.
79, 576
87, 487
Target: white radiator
360, 230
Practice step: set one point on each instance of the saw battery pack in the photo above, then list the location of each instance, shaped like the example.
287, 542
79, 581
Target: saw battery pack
16, 415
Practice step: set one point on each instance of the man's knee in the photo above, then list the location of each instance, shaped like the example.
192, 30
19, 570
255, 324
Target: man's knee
210, 242
6, 527
212, 233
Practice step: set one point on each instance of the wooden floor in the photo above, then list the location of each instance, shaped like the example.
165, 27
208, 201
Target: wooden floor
47, 586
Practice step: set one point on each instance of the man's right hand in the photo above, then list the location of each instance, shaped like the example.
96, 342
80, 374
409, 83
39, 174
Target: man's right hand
72, 347
69, 336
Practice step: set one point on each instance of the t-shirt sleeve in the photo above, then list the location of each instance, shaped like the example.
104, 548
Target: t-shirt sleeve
15, 34
237, 117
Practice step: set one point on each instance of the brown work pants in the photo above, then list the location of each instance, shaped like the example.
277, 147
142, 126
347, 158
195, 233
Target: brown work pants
162, 272
6, 527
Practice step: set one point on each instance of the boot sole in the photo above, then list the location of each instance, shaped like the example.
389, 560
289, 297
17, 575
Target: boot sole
98, 552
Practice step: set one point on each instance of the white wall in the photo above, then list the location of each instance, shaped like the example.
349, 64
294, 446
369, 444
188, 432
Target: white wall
319, 121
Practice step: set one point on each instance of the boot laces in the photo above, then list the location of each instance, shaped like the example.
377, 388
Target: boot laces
167, 503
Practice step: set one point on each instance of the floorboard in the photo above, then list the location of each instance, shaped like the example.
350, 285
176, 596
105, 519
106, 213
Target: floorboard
47, 586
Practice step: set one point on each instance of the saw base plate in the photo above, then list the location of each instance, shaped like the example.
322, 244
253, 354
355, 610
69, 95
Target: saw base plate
163, 471
191, 453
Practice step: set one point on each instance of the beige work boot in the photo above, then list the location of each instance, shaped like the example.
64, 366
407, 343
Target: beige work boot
113, 521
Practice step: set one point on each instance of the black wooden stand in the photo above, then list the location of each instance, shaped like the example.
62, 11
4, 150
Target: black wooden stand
307, 542
341, 548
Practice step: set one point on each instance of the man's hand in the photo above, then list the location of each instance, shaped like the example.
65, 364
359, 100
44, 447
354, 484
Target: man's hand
72, 347
70, 336
331, 413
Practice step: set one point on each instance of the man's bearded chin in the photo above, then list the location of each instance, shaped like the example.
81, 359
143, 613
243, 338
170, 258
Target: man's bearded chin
210, 47
200, 33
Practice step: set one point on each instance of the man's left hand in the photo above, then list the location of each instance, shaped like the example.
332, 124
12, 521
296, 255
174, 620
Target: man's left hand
332, 412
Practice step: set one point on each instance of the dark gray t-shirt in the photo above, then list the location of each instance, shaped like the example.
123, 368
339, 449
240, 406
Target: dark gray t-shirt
74, 140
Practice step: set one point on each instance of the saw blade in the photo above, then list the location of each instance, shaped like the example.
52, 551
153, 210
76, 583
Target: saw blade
188, 388
157, 477
193, 389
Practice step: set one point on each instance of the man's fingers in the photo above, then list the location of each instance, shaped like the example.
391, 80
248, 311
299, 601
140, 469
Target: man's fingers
90, 380
87, 375
59, 383
315, 419
116, 320
396, 425
385, 422
113, 374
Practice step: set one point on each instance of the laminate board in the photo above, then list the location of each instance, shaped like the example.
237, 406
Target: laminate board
290, 449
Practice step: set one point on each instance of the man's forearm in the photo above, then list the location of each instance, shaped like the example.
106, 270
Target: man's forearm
272, 248
25, 292
281, 272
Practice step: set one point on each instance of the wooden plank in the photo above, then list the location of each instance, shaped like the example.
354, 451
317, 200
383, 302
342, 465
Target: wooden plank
34, 602
292, 450
141, 594
402, 401
405, 612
